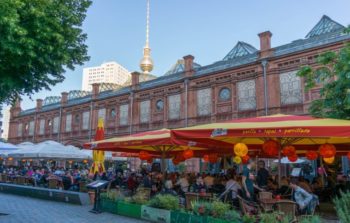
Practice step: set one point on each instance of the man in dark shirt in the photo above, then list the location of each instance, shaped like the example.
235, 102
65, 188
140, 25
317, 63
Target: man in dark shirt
263, 175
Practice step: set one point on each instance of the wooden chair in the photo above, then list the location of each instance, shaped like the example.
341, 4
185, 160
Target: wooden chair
145, 192
289, 208
265, 195
190, 198
248, 207
53, 183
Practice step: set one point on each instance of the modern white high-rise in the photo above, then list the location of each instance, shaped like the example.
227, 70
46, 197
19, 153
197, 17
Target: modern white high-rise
110, 72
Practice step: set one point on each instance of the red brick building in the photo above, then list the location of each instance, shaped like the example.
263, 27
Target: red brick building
247, 82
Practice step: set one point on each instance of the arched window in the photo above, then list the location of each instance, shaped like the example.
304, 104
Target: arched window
76, 119
160, 105
225, 94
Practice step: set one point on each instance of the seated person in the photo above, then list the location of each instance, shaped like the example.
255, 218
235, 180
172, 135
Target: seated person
199, 186
168, 188
305, 200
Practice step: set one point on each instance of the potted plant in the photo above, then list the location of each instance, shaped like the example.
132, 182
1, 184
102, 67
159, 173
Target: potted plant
109, 201
131, 206
342, 204
159, 208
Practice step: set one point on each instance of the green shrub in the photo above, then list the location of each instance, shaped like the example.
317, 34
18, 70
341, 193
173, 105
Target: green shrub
232, 216
342, 206
218, 209
201, 208
248, 219
312, 219
136, 199
167, 202
274, 217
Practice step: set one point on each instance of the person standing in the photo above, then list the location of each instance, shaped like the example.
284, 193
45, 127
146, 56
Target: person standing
247, 181
263, 175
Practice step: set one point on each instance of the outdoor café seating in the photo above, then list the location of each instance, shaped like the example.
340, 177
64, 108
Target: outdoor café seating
289, 208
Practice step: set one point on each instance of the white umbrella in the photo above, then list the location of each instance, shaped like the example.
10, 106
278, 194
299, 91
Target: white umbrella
49, 150
285, 160
7, 146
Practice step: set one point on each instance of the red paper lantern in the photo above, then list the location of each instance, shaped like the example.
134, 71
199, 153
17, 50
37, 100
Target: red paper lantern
348, 155
288, 151
327, 150
293, 158
213, 158
150, 160
188, 154
143, 155
311, 155
206, 158
245, 159
270, 147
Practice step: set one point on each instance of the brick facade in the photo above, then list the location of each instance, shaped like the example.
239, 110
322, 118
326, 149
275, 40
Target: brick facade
172, 101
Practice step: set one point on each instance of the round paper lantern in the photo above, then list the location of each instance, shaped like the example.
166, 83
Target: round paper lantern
270, 147
85, 161
329, 160
240, 149
213, 158
288, 151
245, 159
237, 159
10, 158
188, 154
206, 158
348, 155
150, 160
293, 158
70, 161
327, 150
311, 155
143, 155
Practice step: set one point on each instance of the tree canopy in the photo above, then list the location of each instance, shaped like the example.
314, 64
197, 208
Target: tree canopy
39, 40
334, 73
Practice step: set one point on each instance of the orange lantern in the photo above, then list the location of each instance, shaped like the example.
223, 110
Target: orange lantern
288, 151
188, 154
10, 158
329, 160
348, 155
23, 161
311, 155
245, 159
327, 150
293, 158
85, 161
240, 149
70, 161
270, 147
213, 158
176, 162
206, 158
143, 155
237, 159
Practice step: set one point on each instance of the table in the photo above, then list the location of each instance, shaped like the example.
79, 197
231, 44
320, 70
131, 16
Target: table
267, 204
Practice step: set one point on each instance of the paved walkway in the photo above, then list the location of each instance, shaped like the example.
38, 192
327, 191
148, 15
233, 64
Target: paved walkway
30, 210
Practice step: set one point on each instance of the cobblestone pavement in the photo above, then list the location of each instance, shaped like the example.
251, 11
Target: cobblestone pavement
30, 210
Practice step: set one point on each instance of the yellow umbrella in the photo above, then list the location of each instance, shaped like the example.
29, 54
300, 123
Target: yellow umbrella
98, 155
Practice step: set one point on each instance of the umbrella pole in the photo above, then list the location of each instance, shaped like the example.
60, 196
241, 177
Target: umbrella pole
279, 164
163, 163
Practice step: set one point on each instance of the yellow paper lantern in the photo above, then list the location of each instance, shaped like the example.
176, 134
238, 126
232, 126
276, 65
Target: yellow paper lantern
329, 160
10, 158
240, 149
237, 159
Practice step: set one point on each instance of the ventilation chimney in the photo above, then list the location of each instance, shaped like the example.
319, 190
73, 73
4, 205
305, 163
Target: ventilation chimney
64, 98
265, 44
188, 60
39, 104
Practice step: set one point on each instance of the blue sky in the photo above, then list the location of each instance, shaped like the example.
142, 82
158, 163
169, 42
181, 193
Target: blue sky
207, 29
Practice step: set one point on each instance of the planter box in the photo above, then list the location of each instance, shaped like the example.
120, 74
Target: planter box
109, 206
216, 220
180, 217
129, 210
198, 219
155, 214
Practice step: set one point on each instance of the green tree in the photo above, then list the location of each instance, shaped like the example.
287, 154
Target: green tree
39, 40
334, 72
